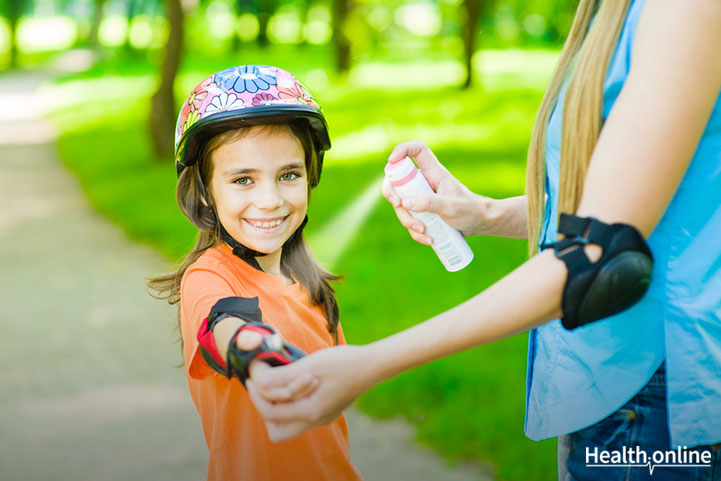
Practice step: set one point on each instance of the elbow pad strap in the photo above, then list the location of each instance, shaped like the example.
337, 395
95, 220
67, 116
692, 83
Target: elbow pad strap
608, 286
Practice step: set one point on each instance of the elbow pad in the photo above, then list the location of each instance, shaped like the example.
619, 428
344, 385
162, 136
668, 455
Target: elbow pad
595, 290
273, 350
245, 308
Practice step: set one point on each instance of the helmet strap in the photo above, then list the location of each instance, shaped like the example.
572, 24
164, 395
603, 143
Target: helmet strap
246, 253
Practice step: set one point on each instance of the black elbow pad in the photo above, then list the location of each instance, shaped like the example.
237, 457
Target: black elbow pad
595, 290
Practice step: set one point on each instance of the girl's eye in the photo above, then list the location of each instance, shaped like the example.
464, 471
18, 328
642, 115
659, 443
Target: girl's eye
243, 181
289, 176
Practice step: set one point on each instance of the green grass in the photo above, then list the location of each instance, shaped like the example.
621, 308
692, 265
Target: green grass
468, 406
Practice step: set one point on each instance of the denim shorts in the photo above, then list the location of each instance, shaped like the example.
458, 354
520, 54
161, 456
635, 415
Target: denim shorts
612, 449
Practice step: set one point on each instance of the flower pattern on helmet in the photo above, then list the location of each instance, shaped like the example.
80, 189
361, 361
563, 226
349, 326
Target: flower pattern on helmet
294, 92
193, 117
238, 89
224, 102
246, 78
264, 98
196, 97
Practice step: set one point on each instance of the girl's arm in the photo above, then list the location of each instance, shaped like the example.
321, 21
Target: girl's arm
641, 156
470, 213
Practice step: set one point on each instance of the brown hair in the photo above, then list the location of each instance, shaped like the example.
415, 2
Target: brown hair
586, 55
296, 255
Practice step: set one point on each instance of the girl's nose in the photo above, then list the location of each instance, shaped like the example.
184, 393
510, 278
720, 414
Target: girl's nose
268, 196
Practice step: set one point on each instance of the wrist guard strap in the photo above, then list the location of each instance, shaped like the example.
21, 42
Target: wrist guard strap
274, 350
608, 286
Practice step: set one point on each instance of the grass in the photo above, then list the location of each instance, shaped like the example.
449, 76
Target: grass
468, 406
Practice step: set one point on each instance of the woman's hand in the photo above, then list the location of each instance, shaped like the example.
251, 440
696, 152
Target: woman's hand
470, 213
338, 374
299, 387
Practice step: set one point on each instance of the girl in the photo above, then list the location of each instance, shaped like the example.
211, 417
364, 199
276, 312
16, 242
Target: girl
249, 149
629, 133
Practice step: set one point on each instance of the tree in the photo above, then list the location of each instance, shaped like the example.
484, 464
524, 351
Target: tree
162, 108
263, 9
340, 10
95, 26
14, 8
474, 9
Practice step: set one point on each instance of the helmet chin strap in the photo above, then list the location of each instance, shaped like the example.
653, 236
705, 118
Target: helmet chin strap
246, 253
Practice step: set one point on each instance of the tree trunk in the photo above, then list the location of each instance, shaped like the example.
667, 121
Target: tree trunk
13, 18
162, 109
95, 27
132, 7
469, 35
341, 43
304, 6
263, 19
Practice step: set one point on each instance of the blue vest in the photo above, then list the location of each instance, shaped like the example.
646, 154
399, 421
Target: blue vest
576, 379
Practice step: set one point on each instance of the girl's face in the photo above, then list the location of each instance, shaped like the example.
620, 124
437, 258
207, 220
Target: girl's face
260, 188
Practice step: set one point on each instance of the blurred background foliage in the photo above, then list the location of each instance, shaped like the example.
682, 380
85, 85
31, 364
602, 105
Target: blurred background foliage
465, 76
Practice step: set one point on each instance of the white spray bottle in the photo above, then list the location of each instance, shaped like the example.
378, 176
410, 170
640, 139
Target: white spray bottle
448, 243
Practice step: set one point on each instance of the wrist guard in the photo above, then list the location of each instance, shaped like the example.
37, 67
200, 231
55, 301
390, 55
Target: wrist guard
273, 350
608, 286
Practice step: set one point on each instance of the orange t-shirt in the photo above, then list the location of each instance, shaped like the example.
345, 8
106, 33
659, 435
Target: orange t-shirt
234, 430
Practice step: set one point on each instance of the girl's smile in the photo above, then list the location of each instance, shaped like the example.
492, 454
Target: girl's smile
260, 189
266, 225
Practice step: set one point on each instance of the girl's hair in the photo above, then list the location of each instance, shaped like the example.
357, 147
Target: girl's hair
586, 55
296, 255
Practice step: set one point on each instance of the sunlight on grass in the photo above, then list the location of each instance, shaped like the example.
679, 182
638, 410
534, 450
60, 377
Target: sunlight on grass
97, 97
331, 241
43, 34
407, 76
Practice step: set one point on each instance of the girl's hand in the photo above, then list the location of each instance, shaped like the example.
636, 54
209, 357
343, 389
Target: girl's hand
452, 201
339, 377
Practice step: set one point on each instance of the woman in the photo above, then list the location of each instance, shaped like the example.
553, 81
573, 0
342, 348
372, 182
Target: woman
629, 132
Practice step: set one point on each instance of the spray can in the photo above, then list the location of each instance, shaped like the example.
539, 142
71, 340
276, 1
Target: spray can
448, 243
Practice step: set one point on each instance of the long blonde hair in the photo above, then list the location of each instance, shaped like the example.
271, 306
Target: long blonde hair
296, 254
586, 55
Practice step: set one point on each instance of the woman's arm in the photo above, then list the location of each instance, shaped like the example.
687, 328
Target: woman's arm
470, 213
639, 161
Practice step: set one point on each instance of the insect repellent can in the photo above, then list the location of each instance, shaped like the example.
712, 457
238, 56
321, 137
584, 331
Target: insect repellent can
448, 243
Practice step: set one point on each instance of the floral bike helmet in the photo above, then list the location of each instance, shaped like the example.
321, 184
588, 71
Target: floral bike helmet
251, 94
245, 95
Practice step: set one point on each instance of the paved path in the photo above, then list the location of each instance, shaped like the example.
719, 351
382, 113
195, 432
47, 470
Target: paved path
87, 387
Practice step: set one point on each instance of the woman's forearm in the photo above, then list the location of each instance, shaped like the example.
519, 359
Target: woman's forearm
503, 217
527, 297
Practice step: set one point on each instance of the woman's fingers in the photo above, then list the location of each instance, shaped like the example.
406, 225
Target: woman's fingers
279, 389
390, 194
426, 160
416, 229
279, 432
280, 412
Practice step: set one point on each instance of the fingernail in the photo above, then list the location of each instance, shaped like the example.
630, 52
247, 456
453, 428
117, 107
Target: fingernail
409, 203
417, 228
